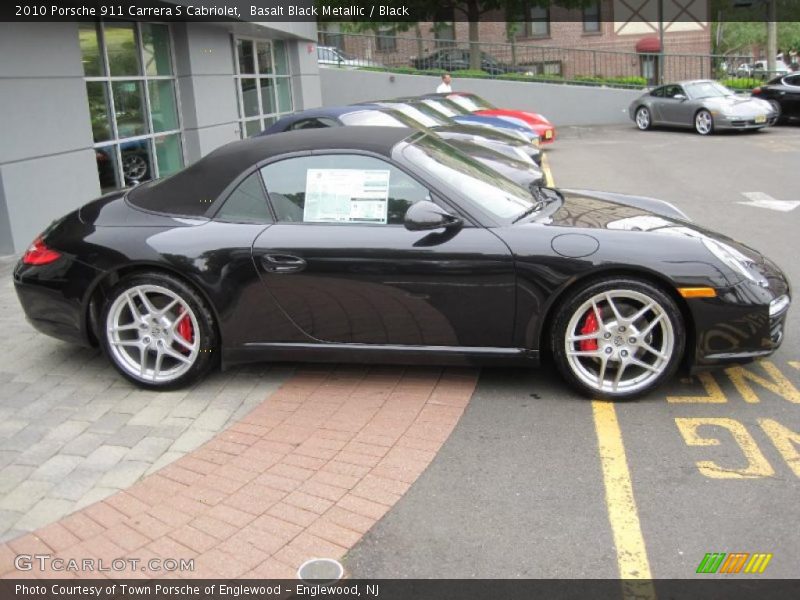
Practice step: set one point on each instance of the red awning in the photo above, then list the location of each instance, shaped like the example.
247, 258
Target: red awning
649, 44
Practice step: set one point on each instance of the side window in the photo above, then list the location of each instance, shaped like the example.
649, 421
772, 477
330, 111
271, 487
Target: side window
247, 203
340, 188
793, 80
658, 92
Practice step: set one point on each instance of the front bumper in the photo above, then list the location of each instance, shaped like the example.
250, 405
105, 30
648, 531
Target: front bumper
742, 122
744, 322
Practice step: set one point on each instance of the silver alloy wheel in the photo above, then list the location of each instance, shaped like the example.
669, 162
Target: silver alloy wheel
633, 341
143, 330
703, 122
643, 118
134, 167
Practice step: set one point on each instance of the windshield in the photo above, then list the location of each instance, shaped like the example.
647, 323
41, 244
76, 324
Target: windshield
371, 117
446, 107
422, 118
493, 193
426, 109
707, 89
471, 102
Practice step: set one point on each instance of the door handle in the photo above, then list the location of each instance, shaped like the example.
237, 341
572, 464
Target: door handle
282, 263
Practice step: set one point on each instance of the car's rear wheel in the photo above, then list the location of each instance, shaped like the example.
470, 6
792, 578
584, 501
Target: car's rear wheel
158, 331
618, 339
703, 122
643, 119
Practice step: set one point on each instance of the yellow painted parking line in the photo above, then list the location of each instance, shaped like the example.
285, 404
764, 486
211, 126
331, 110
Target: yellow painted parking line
622, 514
548, 175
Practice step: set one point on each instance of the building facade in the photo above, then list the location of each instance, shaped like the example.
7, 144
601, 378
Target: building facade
96, 106
611, 38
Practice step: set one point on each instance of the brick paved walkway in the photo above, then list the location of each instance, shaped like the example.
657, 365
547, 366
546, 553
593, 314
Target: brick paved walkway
73, 432
305, 474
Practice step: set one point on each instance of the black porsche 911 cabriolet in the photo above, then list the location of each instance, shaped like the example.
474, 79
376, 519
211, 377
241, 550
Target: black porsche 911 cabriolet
378, 244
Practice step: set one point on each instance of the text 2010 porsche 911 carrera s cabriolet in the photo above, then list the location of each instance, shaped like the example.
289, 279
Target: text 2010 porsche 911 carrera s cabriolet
378, 244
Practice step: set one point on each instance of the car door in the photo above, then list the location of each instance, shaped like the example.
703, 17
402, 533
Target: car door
789, 96
675, 111
343, 267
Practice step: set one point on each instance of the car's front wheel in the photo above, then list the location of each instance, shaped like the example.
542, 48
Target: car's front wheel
618, 338
643, 120
776, 106
703, 122
158, 331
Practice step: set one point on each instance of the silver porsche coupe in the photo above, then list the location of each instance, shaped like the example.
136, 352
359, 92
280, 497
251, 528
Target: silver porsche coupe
705, 105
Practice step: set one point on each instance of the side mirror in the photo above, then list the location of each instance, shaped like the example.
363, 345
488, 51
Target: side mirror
425, 215
680, 97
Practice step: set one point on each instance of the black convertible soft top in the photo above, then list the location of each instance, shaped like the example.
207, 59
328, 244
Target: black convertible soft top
191, 192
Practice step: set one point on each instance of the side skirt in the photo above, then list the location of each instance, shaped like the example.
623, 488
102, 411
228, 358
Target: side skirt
381, 354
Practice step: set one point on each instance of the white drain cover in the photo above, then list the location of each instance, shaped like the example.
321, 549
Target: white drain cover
321, 571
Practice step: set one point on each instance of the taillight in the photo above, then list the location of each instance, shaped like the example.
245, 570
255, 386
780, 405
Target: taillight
756, 91
39, 254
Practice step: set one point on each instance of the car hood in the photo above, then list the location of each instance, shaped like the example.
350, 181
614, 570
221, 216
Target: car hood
485, 120
738, 105
527, 117
606, 210
479, 131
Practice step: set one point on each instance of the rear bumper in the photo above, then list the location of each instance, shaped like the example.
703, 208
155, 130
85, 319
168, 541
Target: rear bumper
53, 298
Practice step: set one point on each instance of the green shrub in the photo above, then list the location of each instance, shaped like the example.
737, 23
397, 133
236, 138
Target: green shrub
626, 81
473, 73
544, 77
741, 83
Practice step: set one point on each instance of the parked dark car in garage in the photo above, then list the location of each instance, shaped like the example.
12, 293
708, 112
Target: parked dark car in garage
389, 245
783, 93
457, 59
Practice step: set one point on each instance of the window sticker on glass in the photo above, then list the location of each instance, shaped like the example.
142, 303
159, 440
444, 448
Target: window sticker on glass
346, 196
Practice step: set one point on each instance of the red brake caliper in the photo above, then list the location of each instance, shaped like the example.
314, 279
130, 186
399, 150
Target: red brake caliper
185, 329
589, 326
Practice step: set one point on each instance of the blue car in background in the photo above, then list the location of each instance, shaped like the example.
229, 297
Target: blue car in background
450, 109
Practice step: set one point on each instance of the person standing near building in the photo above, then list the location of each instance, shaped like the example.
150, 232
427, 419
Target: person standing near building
444, 87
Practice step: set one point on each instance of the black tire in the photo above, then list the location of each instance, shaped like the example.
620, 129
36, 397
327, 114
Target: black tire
704, 115
203, 331
642, 123
779, 118
573, 307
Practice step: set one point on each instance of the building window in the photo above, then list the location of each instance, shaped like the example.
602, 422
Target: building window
591, 18
538, 24
263, 84
386, 40
133, 104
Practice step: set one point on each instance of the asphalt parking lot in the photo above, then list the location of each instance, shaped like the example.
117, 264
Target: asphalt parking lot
536, 482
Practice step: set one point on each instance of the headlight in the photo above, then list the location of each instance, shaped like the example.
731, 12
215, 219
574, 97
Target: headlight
735, 260
778, 305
